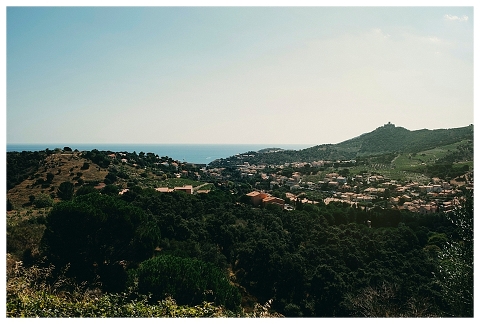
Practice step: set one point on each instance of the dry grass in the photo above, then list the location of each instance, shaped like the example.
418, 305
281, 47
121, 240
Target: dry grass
64, 167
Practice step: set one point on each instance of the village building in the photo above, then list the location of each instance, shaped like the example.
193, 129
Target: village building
274, 201
341, 180
186, 188
256, 197
164, 189
261, 198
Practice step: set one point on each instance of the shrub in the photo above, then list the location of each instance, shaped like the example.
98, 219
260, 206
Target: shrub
189, 281
35, 292
84, 190
43, 201
65, 190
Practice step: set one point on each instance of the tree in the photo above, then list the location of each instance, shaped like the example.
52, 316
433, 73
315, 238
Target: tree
95, 234
327, 289
50, 177
455, 268
344, 172
110, 178
65, 190
42, 201
188, 281
110, 189
84, 190
9, 205
85, 166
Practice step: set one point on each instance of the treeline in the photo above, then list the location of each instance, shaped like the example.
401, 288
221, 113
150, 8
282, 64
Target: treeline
316, 261
319, 152
146, 161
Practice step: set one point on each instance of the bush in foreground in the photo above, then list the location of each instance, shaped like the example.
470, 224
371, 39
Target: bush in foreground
32, 292
189, 281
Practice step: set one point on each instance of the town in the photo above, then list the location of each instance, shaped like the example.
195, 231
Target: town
364, 190
289, 184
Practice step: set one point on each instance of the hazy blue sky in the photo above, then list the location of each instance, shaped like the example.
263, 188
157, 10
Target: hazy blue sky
234, 74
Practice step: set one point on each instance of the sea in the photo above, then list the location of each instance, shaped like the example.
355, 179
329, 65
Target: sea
192, 153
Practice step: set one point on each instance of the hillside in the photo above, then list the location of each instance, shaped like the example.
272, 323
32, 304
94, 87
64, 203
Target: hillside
389, 138
146, 253
385, 139
40, 174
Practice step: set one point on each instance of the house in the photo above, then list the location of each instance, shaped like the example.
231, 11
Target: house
333, 184
377, 178
426, 209
260, 198
257, 197
163, 189
341, 180
332, 175
273, 200
186, 188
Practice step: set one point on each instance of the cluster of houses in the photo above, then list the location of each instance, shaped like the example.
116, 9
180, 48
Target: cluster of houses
438, 195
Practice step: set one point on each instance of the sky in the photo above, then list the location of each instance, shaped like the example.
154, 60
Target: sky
234, 75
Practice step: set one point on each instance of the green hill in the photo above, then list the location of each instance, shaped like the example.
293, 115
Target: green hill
389, 138
385, 139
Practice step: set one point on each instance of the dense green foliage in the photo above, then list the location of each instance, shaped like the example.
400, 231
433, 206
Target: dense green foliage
455, 270
188, 281
34, 292
98, 157
320, 260
315, 261
94, 233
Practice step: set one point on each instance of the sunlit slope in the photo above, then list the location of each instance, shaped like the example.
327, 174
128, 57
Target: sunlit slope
390, 138
383, 140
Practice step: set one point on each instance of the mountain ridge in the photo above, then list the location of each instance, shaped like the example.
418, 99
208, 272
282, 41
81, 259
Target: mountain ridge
384, 139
